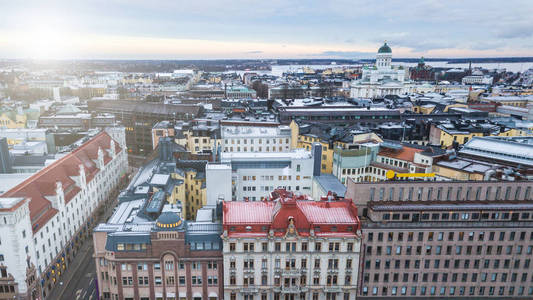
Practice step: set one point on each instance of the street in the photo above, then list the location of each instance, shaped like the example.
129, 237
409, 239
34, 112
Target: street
79, 280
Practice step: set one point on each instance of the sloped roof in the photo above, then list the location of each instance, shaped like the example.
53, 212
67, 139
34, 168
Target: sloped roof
248, 212
323, 212
406, 153
276, 215
43, 183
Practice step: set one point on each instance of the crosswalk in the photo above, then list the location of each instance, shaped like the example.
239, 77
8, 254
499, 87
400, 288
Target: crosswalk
81, 294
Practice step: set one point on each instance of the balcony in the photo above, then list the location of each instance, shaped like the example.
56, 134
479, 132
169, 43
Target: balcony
332, 289
250, 289
291, 272
291, 289
333, 271
248, 271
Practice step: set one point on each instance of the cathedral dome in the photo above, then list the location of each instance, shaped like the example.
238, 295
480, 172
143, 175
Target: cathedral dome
385, 49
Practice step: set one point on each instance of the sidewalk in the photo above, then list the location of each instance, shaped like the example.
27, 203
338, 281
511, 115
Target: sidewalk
72, 270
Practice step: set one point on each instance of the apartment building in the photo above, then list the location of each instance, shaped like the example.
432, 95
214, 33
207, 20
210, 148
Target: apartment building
255, 138
45, 216
254, 175
181, 182
290, 248
372, 161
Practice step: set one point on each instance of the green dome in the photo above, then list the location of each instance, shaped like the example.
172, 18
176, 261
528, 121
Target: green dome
385, 49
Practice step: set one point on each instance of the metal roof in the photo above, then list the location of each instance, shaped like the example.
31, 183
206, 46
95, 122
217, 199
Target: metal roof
498, 149
328, 182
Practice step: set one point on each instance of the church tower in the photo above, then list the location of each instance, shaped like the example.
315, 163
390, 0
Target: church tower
384, 57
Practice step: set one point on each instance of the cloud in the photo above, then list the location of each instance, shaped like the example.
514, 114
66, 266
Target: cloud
486, 45
416, 42
345, 54
522, 31
352, 28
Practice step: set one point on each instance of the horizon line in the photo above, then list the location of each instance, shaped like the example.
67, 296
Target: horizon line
251, 59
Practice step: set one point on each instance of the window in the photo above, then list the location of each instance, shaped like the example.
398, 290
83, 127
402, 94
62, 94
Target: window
304, 246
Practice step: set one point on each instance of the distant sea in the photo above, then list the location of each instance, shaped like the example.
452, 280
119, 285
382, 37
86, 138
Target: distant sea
278, 70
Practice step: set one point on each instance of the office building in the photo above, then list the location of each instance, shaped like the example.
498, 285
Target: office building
46, 216
163, 258
254, 174
449, 248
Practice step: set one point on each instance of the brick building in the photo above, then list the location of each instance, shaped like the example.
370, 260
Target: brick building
166, 258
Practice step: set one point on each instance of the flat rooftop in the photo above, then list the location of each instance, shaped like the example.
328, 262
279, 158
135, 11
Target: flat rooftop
295, 154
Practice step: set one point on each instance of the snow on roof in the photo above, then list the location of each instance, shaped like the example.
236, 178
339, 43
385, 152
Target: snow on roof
248, 212
160, 179
520, 153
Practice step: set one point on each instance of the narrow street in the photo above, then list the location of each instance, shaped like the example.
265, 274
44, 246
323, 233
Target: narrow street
79, 280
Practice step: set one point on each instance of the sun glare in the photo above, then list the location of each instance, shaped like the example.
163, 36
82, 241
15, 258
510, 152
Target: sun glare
47, 43
43, 37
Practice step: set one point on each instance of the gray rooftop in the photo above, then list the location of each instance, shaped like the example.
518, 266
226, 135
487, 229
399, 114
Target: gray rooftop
330, 183
499, 149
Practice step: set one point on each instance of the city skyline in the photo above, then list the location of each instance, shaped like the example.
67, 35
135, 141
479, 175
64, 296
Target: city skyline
277, 29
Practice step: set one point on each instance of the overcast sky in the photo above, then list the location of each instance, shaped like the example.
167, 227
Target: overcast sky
131, 29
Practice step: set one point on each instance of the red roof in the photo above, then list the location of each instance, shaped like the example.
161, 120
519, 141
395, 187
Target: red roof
406, 153
248, 212
331, 218
43, 183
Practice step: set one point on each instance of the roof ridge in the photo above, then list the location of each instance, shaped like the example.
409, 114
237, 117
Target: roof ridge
52, 166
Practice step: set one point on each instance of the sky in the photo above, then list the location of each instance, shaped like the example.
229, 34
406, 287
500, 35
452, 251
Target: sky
196, 29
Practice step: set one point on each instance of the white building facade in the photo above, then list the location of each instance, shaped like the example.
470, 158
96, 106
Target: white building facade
254, 175
382, 79
290, 250
255, 138
477, 79
62, 201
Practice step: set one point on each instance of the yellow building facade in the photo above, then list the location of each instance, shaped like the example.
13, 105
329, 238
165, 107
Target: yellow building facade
306, 142
456, 174
12, 120
192, 193
447, 139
